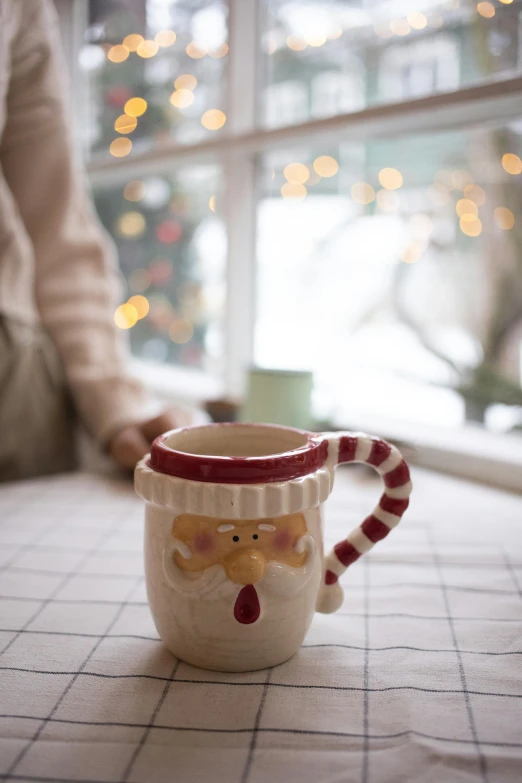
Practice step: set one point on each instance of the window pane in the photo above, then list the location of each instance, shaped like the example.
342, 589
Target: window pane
171, 246
394, 271
169, 55
324, 59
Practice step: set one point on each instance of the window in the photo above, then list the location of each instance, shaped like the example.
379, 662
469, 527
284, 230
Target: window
327, 185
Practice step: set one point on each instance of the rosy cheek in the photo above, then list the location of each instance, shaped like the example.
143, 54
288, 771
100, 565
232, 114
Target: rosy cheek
203, 544
282, 541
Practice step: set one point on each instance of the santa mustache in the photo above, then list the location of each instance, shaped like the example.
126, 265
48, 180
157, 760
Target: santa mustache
214, 584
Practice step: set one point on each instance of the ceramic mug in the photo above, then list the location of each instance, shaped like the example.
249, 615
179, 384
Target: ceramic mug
234, 557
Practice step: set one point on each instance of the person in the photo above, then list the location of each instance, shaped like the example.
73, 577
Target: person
62, 359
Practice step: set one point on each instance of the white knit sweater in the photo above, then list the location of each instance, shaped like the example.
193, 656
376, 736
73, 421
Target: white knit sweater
56, 264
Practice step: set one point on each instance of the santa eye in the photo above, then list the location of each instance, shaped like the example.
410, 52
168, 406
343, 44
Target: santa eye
255, 536
235, 538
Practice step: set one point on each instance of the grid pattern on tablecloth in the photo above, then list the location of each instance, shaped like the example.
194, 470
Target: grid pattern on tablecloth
416, 677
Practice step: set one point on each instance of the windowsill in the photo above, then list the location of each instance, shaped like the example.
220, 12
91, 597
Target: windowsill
470, 452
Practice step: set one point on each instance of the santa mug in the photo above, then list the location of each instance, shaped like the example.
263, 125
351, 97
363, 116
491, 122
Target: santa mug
234, 557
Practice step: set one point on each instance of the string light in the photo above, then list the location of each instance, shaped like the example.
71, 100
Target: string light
486, 10
511, 163
120, 147
362, 193
504, 218
291, 190
140, 304
326, 166
125, 124
472, 228
165, 38
135, 107
182, 98
213, 119
476, 194
131, 42
181, 331
147, 49
391, 179
117, 54
125, 316
296, 173
194, 51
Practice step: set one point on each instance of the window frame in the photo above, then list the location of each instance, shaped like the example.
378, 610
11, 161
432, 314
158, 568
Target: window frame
237, 150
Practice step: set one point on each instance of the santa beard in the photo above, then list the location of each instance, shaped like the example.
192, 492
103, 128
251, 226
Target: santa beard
280, 580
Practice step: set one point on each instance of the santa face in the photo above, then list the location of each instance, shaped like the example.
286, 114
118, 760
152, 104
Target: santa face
241, 563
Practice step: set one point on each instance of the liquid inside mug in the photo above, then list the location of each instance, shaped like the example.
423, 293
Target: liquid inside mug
234, 557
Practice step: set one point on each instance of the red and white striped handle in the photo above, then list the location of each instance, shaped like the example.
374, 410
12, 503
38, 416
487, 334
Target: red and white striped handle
389, 463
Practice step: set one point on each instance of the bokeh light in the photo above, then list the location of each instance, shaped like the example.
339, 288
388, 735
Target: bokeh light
461, 179
125, 123
212, 203
168, 232
472, 228
213, 119
135, 107
438, 194
362, 193
194, 51
139, 280
400, 27
295, 43
391, 179
296, 173
466, 209
134, 190
326, 166
131, 42
125, 316
117, 54
417, 20
165, 38
486, 9
315, 40
120, 147
182, 98
511, 163
476, 194
140, 304
412, 253
147, 49
221, 52
185, 82
181, 331
291, 190
131, 224
504, 218
421, 225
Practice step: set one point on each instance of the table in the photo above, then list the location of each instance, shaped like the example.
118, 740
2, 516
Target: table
416, 678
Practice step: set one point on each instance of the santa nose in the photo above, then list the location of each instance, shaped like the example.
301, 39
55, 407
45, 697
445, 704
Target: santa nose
245, 567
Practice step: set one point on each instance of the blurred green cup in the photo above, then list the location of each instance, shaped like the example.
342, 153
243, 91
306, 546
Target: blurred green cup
279, 397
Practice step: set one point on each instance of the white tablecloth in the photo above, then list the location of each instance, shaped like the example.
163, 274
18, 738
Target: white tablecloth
417, 678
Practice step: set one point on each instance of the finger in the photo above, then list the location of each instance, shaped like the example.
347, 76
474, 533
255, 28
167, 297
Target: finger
128, 447
168, 420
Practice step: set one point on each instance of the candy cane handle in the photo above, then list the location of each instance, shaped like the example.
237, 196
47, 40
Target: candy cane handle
389, 463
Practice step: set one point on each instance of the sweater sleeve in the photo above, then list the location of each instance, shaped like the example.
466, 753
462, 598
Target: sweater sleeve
76, 282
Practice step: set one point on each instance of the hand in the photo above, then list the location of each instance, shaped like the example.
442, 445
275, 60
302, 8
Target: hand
131, 443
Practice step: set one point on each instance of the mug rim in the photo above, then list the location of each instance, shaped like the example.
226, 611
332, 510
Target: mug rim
265, 469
